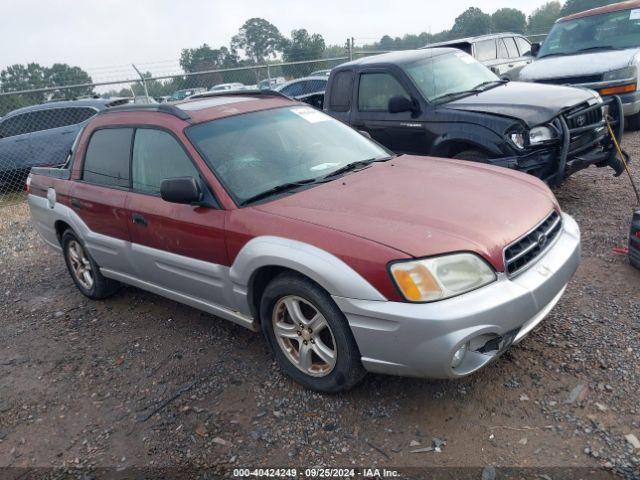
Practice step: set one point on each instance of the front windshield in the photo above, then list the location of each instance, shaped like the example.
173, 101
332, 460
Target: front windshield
447, 74
608, 31
257, 151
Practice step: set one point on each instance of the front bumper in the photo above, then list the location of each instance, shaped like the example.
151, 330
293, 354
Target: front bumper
420, 339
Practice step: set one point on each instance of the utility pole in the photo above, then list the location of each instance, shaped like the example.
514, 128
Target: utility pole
144, 82
350, 49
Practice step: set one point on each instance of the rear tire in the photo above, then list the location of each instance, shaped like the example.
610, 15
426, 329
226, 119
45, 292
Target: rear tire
472, 156
314, 344
84, 271
632, 122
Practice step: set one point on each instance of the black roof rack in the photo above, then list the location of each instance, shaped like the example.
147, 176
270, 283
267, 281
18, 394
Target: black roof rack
238, 93
149, 107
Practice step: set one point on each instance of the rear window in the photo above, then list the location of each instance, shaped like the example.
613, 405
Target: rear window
107, 159
341, 92
58, 117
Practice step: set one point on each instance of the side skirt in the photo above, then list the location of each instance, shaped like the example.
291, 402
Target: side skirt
220, 311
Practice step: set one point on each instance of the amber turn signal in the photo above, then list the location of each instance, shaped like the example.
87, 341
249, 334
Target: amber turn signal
616, 90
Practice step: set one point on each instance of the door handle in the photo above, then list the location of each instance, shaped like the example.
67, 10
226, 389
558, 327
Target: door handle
75, 203
139, 219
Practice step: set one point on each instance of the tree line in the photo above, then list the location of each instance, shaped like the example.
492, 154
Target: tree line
259, 41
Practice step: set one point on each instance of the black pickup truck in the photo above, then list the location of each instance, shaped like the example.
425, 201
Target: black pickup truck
442, 102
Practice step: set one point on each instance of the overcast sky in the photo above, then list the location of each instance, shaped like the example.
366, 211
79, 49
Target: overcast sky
106, 36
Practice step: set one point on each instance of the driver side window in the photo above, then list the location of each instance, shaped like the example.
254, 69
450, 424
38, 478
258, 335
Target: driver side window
375, 91
156, 157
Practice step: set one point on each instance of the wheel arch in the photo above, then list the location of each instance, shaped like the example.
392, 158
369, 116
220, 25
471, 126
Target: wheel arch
264, 258
60, 227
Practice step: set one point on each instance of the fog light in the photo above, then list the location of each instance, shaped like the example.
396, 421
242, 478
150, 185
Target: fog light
459, 355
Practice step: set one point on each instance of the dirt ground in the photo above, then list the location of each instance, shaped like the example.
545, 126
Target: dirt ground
141, 381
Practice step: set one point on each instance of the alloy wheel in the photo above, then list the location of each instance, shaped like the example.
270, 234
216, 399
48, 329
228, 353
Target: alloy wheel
304, 336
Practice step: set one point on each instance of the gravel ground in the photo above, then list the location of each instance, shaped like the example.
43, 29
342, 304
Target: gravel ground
140, 381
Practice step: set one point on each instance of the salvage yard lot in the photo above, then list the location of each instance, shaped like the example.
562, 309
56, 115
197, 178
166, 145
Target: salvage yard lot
138, 380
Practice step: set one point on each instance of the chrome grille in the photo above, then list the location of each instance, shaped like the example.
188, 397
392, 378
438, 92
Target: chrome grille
521, 253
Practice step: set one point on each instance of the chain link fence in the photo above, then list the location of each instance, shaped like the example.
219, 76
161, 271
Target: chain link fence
38, 126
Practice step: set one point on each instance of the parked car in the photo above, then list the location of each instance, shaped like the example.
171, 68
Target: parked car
184, 93
221, 87
442, 102
308, 89
597, 49
634, 240
501, 52
271, 83
320, 73
42, 135
271, 214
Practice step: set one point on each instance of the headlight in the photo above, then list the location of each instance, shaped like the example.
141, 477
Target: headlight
538, 135
518, 139
442, 277
620, 74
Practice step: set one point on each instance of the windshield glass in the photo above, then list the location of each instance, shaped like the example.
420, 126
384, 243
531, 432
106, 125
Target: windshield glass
257, 151
448, 74
608, 31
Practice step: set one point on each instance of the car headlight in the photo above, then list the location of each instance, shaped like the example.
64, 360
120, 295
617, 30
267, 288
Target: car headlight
518, 139
441, 277
542, 134
620, 74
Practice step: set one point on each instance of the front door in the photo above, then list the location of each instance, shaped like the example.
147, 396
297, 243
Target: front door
400, 132
177, 247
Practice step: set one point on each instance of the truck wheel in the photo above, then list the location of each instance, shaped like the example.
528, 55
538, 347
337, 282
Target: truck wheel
83, 269
309, 335
472, 156
632, 122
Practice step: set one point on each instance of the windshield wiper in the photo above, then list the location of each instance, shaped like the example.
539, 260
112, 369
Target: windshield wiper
355, 165
601, 47
481, 87
277, 189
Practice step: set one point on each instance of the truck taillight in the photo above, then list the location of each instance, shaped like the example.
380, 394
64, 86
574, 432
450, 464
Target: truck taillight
28, 184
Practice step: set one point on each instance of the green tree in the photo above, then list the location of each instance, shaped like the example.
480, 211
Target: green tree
303, 46
509, 20
543, 18
206, 58
63, 74
575, 6
259, 40
472, 21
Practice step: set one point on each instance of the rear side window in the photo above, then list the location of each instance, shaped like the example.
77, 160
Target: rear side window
341, 91
58, 117
107, 159
376, 89
486, 50
158, 156
524, 46
12, 126
511, 47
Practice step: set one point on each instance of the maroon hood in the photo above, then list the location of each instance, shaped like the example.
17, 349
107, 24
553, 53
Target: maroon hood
426, 206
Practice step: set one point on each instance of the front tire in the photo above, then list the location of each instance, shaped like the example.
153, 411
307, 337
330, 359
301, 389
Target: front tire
309, 335
632, 122
84, 271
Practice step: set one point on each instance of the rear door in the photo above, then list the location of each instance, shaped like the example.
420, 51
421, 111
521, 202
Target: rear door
400, 132
177, 247
98, 198
15, 153
54, 132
